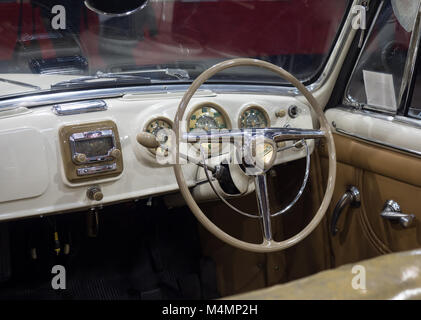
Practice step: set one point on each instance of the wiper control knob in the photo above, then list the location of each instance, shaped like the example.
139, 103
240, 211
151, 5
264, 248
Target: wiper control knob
148, 140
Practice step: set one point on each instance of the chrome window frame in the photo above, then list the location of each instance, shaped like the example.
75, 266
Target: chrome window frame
400, 116
408, 75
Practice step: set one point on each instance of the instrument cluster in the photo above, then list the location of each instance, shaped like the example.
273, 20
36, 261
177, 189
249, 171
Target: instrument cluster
208, 116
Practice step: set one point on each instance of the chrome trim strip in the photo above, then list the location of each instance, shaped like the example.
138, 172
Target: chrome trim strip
65, 109
384, 116
97, 169
37, 100
48, 98
411, 61
275, 134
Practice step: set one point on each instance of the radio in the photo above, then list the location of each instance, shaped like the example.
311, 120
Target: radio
91, 151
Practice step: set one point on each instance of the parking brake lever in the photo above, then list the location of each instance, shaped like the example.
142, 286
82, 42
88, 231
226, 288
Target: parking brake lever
352, 198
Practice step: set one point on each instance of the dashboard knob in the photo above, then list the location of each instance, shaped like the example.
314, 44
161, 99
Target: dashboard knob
116, 153
80, 158
281, 113
95, 193
148, 140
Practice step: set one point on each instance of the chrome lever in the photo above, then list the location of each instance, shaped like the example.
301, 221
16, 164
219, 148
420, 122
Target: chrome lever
352, 198
392, 211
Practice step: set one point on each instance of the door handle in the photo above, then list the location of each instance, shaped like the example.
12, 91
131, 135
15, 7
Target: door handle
392, 211
351, 198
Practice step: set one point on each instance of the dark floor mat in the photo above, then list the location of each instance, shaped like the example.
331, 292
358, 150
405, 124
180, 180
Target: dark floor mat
140, 252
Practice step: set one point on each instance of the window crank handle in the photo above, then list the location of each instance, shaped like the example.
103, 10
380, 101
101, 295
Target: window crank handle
392, 211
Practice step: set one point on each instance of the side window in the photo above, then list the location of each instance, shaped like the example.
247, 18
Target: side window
378, 80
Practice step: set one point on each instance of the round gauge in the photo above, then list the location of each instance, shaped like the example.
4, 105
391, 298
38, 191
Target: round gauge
161, 129
208, 117
254, 117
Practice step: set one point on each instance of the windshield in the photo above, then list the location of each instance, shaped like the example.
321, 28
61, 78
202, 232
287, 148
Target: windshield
46, 42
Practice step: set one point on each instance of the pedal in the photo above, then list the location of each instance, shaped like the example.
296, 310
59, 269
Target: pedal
92, 221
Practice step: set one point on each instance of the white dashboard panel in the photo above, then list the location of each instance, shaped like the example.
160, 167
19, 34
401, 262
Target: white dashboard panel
18, 178
49, 190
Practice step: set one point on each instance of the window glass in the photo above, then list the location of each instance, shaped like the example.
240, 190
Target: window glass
377, 79
191, 35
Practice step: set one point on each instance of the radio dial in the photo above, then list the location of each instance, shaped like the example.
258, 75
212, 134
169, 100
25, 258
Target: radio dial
80, 158
91, 150
116, 153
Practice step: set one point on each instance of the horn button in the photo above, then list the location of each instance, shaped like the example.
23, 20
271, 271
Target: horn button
259, 155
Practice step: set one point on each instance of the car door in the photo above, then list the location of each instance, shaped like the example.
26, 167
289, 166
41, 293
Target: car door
377, 129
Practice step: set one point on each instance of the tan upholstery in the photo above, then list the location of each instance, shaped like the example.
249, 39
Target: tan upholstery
392, 276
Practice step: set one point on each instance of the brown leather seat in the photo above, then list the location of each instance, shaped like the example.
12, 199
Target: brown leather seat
392, 276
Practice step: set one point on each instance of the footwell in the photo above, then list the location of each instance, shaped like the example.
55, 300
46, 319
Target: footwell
136, 251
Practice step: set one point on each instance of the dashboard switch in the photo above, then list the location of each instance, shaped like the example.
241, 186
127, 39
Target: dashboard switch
95, 193
116, 153
80, 158
293, 111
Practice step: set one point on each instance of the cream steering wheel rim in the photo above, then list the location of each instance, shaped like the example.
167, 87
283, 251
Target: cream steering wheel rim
266, 246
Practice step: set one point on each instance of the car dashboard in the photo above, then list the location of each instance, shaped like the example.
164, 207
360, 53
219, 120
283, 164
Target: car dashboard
84, 154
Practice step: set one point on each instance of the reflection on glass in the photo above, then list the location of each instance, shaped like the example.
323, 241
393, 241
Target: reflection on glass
186, 35
385, 52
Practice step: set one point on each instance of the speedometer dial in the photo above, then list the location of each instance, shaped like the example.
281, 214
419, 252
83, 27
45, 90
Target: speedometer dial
208, 117
254, 117
161, 129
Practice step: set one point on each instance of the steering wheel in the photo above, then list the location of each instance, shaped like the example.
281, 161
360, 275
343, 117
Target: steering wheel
256, 142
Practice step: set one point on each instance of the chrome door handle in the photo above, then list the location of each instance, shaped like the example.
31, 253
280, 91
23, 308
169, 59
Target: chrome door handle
392, 211
352, 198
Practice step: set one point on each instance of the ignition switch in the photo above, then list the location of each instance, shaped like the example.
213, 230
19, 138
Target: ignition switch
293, 111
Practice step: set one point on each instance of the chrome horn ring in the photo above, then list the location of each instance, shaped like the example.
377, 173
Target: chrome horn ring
253, 216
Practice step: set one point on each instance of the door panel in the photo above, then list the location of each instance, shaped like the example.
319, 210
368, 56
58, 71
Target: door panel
380, 174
